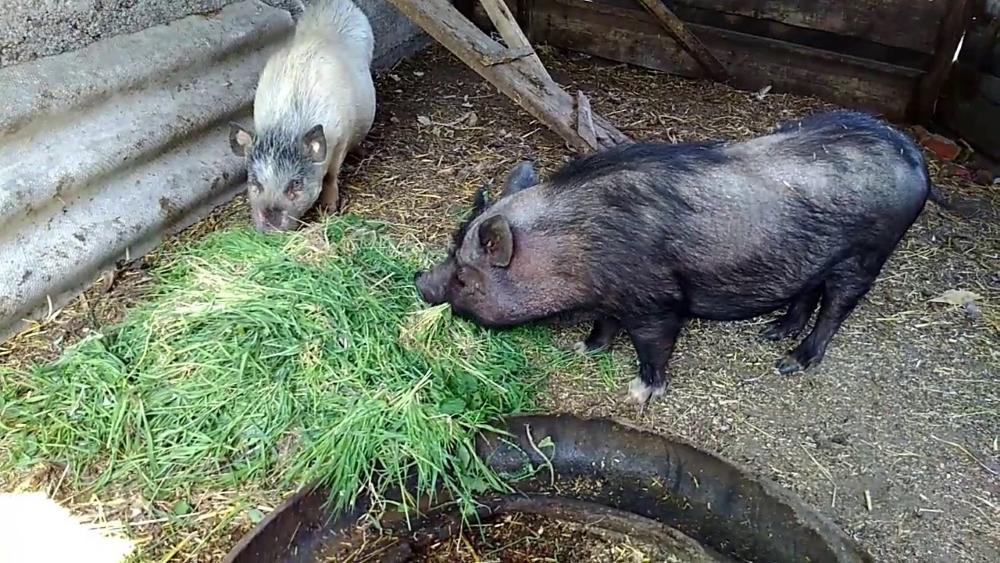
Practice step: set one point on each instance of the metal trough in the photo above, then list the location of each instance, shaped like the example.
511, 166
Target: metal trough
596, 472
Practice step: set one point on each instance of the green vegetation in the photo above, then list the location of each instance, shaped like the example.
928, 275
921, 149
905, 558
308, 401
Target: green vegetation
283, 358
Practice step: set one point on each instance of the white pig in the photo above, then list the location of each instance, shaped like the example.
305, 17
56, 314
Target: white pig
315, 102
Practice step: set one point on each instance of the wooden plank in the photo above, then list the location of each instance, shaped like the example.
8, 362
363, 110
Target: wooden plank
907, 24
625, 35
505, 23
503, 19
479, 16
818, 38
585, 119
970, 106
545, 100
953, 26
675, 27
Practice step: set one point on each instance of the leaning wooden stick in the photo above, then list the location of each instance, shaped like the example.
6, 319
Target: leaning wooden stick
514, 69
676, 28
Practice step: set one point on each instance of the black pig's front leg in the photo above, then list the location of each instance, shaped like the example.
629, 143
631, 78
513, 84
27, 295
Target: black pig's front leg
654, 340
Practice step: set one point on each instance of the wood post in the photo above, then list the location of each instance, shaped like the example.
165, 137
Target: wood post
514, 69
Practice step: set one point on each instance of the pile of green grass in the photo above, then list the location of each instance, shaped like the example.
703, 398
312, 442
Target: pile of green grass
297, 357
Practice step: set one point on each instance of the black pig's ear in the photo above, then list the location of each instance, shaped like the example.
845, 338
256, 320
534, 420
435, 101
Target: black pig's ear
481, 201
497, 240
520, 177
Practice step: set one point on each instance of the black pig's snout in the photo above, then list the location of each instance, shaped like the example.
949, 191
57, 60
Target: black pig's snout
420, 280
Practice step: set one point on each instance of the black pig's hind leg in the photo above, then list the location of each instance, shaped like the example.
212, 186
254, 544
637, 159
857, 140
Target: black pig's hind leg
843, 289
795, 318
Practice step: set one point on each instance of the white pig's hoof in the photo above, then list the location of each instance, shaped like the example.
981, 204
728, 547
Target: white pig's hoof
580, 348
639, 393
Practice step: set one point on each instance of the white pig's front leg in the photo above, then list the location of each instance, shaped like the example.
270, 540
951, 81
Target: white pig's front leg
329, 197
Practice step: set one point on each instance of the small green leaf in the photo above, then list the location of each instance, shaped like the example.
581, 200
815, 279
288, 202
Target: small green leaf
181, 508
463, 458
255, 516
452, 406
478, 485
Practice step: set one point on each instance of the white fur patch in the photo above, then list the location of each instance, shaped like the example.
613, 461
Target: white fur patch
640, 393
36, 529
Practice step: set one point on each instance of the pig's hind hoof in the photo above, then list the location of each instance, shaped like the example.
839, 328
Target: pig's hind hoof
775, 331
789, 365
584, 349
639, 393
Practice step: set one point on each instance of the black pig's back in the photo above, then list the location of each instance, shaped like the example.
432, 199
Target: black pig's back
733, 230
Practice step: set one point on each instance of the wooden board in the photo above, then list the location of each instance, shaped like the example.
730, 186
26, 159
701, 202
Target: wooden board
909, 24
630, 35
692, 13
970, 102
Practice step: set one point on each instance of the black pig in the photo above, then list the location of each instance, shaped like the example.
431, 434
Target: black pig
643, 236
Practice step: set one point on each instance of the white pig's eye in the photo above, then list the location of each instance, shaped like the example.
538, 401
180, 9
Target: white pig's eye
256, 188
293, 189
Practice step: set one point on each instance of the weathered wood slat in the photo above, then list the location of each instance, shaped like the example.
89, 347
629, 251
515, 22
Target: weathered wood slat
686, 39
585, 119
506, 24
970, 106
970, 100
829, 41
909, 24
626, 35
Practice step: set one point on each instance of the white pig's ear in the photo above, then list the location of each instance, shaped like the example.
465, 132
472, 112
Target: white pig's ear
520, 177
314, 144
240, 139
497, 240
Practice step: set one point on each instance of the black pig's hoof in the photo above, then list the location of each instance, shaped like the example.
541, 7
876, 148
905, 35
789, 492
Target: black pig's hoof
777, 330
639, 393
587, 348
789, 365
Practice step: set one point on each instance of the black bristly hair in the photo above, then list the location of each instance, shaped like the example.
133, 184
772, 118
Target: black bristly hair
480, 203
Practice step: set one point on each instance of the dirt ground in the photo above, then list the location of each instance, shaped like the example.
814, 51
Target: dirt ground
524, 538
895, 435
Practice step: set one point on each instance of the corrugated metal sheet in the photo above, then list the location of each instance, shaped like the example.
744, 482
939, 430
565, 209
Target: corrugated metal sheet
105, 149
